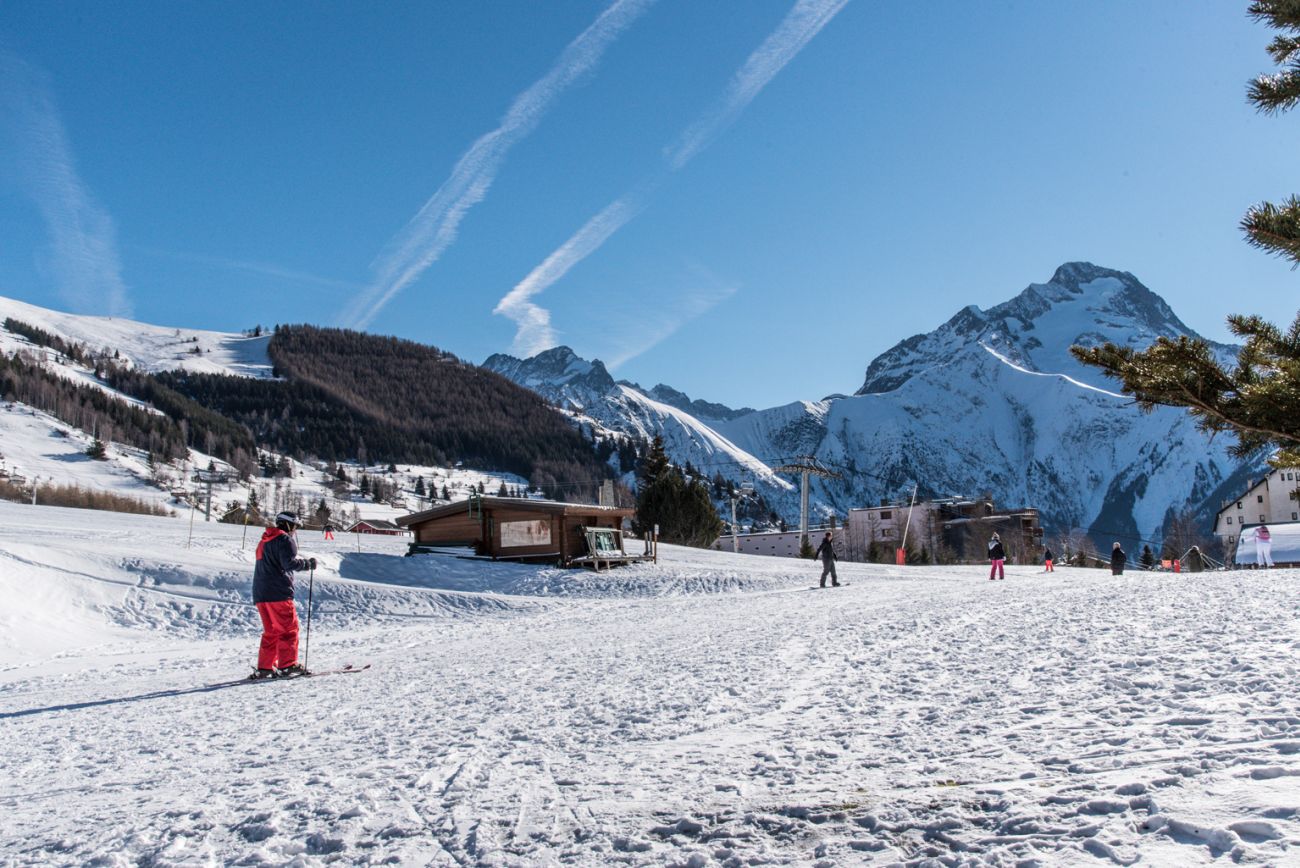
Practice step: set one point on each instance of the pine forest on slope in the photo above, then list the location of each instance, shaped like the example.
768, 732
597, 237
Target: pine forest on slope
339, 396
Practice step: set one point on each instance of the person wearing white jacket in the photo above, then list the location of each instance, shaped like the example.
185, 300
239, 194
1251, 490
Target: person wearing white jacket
1263, 547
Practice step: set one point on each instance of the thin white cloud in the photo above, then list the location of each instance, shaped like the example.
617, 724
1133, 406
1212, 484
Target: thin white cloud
265, 269
82, 258
706, 293
799, 26
534, 332
428, 235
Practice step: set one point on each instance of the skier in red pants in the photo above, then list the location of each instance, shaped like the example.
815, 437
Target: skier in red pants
277, 559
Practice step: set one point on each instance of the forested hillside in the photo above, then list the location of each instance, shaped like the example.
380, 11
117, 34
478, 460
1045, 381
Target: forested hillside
345, 394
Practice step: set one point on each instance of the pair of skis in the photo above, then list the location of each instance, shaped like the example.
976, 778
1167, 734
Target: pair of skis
315, 673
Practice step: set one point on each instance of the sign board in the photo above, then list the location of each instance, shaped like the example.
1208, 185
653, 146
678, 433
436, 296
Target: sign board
518, 534
604, 541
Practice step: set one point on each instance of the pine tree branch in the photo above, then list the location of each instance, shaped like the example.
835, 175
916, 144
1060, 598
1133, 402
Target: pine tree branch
1274, 229
1282, 14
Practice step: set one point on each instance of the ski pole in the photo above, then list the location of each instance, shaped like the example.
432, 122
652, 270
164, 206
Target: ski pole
311, 581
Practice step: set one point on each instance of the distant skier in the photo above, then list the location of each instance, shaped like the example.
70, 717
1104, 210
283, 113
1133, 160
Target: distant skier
277, 560
1117, 560
1047, 561
1263, 547
997, 559
329, 531
826, 551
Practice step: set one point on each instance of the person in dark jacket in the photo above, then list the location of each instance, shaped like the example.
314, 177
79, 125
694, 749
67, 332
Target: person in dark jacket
826, 551
997, 559
277, 560
1117, 560
1047, 561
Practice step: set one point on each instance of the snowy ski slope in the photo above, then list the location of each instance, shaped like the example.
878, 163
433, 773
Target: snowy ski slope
712, 709
149, 347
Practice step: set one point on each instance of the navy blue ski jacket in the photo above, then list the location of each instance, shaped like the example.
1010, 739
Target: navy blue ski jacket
277, 558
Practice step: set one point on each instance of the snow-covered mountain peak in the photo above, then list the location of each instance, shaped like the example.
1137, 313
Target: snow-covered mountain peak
559, 374
1105, 294
1082, 304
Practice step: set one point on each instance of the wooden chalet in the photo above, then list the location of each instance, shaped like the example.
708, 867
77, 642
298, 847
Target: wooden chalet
511, 528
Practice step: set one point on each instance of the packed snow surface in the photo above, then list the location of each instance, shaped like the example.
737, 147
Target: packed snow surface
710, 709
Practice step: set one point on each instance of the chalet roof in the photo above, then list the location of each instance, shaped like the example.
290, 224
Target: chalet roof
377, 523
551, 507
1262, 482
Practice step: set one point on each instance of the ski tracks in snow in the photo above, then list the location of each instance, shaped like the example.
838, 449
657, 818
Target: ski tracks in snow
1076, 718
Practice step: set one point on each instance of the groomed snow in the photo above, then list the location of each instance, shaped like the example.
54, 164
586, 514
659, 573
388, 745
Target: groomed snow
712, 709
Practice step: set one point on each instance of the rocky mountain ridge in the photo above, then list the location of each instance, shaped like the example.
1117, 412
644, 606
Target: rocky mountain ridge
988, 401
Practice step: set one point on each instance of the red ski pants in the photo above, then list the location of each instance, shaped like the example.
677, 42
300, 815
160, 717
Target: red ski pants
997, 569
279, 635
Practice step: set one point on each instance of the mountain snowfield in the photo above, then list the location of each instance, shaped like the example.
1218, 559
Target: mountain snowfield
148, 347
586, 391
991, 401
712, 709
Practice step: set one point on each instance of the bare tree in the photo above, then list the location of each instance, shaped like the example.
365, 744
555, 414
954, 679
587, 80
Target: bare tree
1182, 533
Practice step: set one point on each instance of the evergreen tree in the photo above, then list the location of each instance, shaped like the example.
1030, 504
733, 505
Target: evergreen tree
419, 486
1147, 559
1258, 399
682, 509
446, 494
654, 465
97, 450
365, 485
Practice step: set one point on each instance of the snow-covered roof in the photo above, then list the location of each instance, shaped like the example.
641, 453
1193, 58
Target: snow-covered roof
491, 502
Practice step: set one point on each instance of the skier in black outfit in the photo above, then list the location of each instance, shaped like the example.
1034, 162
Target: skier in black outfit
997, 559
826, 551
1117, 560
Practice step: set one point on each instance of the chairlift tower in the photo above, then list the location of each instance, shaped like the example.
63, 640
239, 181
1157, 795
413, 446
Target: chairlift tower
805, 466
209, 478
745, 491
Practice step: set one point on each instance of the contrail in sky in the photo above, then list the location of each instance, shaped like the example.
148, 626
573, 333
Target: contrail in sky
265, 269
434, 228
82, 258
534, 332
657, 326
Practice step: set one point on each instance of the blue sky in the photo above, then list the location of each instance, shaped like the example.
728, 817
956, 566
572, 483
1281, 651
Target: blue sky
746, 200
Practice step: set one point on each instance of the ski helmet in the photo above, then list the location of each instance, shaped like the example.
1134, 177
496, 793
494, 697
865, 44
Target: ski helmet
287, 521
